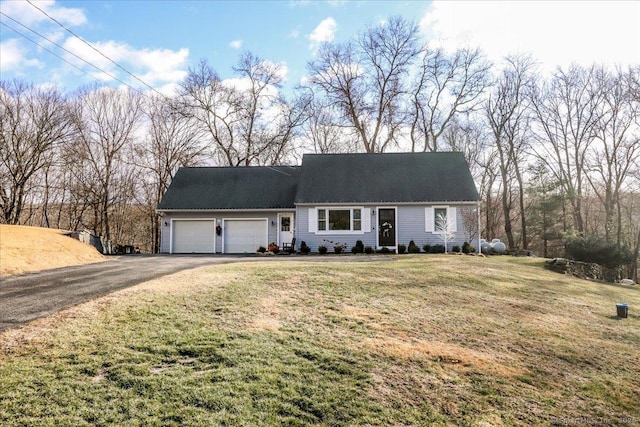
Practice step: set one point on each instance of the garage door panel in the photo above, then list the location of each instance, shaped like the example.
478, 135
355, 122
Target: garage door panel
193, 236
242, 236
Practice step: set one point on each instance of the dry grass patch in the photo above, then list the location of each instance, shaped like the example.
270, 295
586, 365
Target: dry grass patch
26, 249
422, 340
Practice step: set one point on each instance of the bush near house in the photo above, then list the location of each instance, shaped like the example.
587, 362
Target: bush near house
596, 250
436, 249
304, 249
402, 249
322, 249
413, 248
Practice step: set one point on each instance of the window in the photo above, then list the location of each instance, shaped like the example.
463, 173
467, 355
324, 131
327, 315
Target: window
322, 219
357, 219
339, 219
440, 219
285, 223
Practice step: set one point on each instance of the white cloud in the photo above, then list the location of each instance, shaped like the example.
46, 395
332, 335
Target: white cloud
324, 32
236, 44
13, 57
153, 66
556, 33
29, 15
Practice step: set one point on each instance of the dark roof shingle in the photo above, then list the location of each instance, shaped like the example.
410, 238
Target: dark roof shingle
257, 187
385, 178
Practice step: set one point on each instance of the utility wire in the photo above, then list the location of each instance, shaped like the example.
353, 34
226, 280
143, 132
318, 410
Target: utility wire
63, 48
95, 49
45, 48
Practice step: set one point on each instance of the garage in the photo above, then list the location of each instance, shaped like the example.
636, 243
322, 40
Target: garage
244, 235
193, 236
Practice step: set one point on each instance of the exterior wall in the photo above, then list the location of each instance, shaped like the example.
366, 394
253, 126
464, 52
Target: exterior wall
165, 236
313, 240
410, 225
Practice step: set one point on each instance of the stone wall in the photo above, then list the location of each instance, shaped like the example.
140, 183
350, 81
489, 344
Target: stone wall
584, 270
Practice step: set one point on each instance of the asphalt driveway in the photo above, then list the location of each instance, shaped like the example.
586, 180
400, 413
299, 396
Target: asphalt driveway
27, 297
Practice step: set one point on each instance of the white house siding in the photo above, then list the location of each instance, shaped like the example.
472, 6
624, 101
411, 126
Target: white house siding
165, 236
410, 225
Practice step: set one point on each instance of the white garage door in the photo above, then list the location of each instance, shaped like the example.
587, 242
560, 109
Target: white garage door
196, 236
242, 236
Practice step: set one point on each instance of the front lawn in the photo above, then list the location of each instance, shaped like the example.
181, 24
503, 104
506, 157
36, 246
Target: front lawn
420, 340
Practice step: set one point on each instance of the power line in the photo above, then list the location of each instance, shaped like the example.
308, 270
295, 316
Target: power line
45, 48
63, 48
95, 49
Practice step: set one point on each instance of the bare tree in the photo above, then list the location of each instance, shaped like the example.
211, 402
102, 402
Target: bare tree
616, 146
567, 113
172, 141
107, 121
366, 80
33, 122
247, 120
444, 228
447, 85
323, 132
506, 111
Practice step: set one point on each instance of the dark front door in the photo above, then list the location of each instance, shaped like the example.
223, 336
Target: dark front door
386, 227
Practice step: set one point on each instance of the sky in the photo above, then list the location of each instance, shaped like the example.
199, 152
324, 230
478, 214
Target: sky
157, 41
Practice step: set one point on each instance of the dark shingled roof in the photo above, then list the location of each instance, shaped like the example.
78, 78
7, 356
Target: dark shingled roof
259, 187
385, 178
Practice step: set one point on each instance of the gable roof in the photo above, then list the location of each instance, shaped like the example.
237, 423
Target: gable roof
254, 187
385, 178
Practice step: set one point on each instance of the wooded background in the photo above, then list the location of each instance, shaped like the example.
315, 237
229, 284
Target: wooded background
553, 155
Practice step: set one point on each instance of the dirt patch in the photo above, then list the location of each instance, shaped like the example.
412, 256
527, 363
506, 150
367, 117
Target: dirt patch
447, 354
26, 249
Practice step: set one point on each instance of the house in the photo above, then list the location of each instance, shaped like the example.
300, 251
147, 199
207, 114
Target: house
381, 199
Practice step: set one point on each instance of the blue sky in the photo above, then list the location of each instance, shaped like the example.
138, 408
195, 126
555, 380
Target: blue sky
159, 40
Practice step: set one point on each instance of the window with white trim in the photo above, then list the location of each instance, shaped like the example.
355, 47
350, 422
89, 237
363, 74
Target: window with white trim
437, 217
336, 219
440, 220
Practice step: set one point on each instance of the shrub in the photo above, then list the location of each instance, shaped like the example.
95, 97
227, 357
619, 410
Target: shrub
384, 250
368, 250
304, 249
456, 249
596, 250
322, 249
413, 248
402, 248
358, 248
436, 249
262, 249
467, 248
338, 249
427, 248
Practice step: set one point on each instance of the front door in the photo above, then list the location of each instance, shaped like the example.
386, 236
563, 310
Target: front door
387, 227
285, 228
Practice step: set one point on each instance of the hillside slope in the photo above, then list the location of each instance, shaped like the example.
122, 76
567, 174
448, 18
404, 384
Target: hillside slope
26, 249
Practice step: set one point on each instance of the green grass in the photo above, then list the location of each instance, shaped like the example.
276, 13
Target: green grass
422, 340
